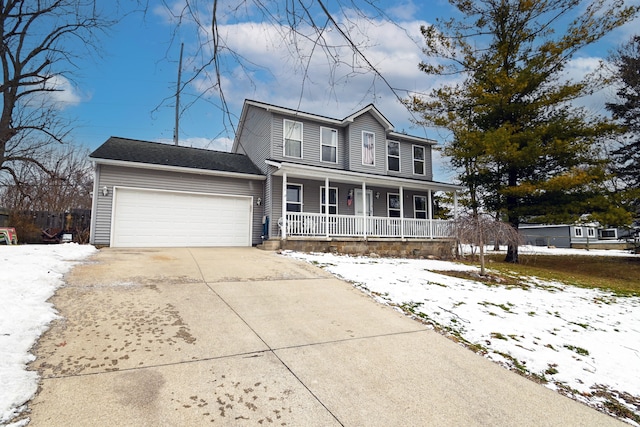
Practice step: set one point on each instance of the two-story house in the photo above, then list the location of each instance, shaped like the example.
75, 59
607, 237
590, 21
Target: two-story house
291, 176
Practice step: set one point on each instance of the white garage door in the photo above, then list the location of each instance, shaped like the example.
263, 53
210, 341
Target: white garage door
150, 218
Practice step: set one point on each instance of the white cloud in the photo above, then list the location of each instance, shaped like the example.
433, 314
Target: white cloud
58, 93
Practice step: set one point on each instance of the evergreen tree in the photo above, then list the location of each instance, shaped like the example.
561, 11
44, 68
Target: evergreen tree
515, 135
627, 111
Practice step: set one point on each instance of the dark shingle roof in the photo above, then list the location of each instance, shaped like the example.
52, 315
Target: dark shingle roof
131, 150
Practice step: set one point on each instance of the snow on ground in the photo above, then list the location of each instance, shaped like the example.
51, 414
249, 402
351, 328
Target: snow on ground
581, 341
29, 276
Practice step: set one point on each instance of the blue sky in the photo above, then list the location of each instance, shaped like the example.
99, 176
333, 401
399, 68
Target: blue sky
129, 91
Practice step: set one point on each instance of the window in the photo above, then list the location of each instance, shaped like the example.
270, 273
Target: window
393, 205
418, 160
329, 145
292, 139
578, 231
368, 148
294, 198
333, 200
591, 232
420, 207
393, 156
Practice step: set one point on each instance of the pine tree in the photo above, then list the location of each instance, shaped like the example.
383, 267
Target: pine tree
627, 112
516, 136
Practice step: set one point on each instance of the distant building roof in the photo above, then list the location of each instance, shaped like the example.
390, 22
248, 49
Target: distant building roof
154, 153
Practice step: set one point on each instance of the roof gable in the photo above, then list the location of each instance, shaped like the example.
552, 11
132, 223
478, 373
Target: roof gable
154, 153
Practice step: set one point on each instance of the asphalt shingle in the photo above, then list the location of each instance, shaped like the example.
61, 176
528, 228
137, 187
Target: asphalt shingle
136, 151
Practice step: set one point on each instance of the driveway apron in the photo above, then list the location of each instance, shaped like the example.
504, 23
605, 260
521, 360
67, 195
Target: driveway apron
239, 336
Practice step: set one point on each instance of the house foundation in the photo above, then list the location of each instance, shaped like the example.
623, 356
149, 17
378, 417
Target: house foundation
413, 248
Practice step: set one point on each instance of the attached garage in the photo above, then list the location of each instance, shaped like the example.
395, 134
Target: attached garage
155, 218
149, 194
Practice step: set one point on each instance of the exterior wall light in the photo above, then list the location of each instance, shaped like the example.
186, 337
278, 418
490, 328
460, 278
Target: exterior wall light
105, 191
259, 201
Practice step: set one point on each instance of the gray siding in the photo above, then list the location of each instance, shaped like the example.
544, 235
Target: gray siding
367, 123
111, 176
255, 137
406, 161
310, 143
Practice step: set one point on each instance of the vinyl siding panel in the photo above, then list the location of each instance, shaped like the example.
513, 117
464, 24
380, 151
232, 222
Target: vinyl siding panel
111, 176
255, 139
311, 153
406, 161
367, 123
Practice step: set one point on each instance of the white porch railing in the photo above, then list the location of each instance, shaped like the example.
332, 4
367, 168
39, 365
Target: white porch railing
316, 225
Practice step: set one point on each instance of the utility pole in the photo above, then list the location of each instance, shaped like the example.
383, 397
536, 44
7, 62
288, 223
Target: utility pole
176, 131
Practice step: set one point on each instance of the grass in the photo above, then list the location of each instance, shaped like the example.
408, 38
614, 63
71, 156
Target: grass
619, 274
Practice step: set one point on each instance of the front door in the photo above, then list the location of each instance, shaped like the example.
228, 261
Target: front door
358, 202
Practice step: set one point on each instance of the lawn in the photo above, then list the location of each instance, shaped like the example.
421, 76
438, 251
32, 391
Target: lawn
618, 274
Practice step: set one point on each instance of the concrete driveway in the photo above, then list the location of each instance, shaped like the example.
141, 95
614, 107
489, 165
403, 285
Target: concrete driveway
226, 336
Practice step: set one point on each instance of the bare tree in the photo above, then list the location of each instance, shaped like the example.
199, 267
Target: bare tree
41, 42
309, 29
480, 229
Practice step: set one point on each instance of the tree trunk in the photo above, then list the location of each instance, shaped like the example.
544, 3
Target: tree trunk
512, 217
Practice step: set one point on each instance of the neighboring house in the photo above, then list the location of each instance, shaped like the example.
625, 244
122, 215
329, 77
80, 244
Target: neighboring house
573, 236
290, 176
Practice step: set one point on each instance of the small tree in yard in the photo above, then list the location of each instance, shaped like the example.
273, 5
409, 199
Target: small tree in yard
480, 229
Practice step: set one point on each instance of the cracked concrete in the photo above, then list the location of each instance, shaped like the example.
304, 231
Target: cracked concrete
238, 336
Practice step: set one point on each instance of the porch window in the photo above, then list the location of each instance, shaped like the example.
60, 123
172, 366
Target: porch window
333, 200
393, 156
418, 160
292, 139
420, 207
294, 198
578, 231
329, 145
393, 205
368, 148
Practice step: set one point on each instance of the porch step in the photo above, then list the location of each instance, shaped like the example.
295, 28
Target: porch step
270, 245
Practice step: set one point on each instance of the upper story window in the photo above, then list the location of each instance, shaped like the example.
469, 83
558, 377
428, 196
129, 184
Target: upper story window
393, 156
393, 205
333, 200
368, 148
420, 207
294, 198
418, 160
329, 145
292, 139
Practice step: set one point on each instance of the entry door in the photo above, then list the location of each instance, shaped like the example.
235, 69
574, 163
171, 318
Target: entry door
358, 202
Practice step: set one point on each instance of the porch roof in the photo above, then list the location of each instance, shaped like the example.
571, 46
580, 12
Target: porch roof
315, 172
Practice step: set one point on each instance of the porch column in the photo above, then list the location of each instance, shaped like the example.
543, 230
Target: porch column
401, 195
364, 209
284, 206
326, 207
455, 204
430, 213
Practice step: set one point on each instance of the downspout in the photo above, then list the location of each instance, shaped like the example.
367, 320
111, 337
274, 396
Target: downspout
94, 203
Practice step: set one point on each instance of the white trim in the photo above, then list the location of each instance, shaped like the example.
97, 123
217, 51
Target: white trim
181, 169
284, 139
385, 181
362, 149
426, 206
424, 160
387, 156
323, 145
322, 192
94, 203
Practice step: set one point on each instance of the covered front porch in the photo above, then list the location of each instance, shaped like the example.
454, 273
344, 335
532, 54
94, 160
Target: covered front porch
330, 204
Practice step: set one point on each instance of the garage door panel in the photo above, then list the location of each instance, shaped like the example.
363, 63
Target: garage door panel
158, 218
